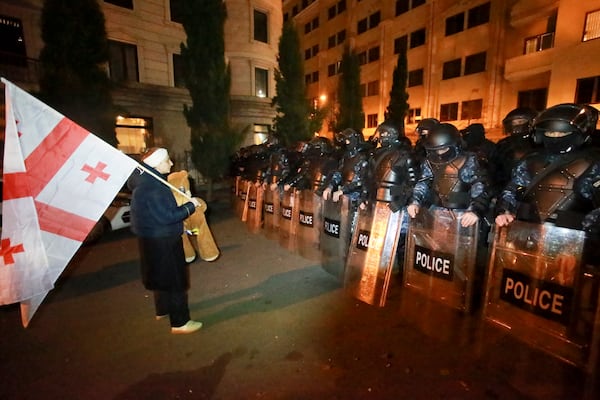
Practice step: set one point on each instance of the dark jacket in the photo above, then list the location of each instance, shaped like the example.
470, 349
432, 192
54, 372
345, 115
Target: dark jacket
154, 211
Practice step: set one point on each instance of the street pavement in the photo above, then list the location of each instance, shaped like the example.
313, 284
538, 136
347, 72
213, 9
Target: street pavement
276, 326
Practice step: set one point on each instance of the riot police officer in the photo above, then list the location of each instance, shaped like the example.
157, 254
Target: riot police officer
518, 126
317, 163
350, 177
450, 177
560, 184
423, 128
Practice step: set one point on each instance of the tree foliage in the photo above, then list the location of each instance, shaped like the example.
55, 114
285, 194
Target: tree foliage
293, 112
208, 79
350, 111
72, 79
397, 108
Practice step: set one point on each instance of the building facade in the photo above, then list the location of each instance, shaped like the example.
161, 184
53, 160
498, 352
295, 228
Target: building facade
145, 65
469, 61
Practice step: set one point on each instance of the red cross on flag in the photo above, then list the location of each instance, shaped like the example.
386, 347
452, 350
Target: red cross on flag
58, 181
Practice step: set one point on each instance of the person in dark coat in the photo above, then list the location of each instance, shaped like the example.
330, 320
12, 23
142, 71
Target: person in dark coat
157, 221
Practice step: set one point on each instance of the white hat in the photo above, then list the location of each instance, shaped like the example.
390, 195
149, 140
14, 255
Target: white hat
156, 157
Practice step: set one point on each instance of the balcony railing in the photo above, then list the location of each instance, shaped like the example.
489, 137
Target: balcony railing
17, 68
538, 43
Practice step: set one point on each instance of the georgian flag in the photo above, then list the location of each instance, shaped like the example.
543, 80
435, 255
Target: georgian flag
58, 181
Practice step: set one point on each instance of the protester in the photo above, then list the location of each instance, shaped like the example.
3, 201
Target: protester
157, 221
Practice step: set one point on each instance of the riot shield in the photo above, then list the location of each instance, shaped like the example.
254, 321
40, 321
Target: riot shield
334, 237
288, 221
271, 213
440, 258
309, 222
372, 253
539, 290
246, 190
255, 207
240, 195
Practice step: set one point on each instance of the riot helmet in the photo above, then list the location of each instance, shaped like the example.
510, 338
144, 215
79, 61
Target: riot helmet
386, 134
565, 127
320, 145
425, 126
443, 144
351, 139
519, 122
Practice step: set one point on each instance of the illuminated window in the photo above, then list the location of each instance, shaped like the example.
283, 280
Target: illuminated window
261, 82
261, 133
122, 62
134, 134
592, 26
414, 115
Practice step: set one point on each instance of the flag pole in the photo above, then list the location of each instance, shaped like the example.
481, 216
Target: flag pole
164, 182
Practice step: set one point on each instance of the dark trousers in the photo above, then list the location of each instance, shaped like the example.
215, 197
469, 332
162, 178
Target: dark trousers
174, 303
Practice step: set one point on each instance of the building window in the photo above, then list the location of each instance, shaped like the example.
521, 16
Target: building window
588, 90
261, 30
539, 43
455, 24
341, 36
121, 3
417, 38
261, 82
417, 3
368, 23
363, 89
176, 10
535, 99
178, 71
122, 62
374, 54
591, 29
478, 15
374, 19
475, 63
471, 109
261, 133
402, 6
362, 57
337, 9
415, 77
331, 69
12, 45
451, 69
400, 44
414, 115
312, 25
373, 88
134, 134
372, 121
315, 76
449, 112
331, 42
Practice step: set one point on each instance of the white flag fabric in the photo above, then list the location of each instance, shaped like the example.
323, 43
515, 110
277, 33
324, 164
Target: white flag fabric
58, 181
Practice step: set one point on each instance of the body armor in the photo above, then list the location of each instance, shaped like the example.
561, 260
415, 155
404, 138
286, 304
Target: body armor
449, 190
551, 195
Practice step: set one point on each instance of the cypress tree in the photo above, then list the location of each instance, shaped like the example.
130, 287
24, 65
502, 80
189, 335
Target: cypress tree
350, 111
398, 105
293, 112
208, 79
72, 79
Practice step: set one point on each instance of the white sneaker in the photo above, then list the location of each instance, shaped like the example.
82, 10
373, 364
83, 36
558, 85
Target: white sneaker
189, 327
